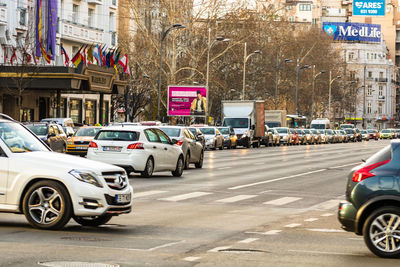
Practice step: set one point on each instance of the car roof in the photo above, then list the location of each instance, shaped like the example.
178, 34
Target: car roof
170, 126
127, 128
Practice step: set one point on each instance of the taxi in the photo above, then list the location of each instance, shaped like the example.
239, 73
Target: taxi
78, 143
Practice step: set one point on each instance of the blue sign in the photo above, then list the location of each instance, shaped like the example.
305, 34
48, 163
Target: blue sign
356, 32
368, 7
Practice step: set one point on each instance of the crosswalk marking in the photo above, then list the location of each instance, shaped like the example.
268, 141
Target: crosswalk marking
217, 249
311, 220
293, 225
271, 232
148, 193
186, 196
248, 240
236, 198
282, 201
192, 258
326, 205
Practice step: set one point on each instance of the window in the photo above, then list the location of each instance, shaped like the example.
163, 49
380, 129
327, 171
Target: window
22, 17
369, 90
352, 75
369, 74
75, 13
163, 137
380, 90
151, 136
380, 105
90, 17
351, 55
380, 75
112, 21
314, 21
305, 7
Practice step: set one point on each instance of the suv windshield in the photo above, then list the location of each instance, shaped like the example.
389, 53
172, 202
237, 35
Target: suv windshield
171, 132
386, 131
349, 131
224, 130
40, 129
87, 132
117, 136
282, 130
18, 139
236, 122
210, 131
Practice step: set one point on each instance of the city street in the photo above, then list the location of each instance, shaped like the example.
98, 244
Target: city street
271, 206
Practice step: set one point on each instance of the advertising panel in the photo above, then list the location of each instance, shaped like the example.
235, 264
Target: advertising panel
369, 8
361, 32
187, 100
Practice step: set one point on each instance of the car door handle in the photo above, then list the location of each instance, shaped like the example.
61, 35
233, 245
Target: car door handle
165, 148
154, 147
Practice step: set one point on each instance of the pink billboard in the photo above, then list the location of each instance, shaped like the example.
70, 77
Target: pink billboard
187, 100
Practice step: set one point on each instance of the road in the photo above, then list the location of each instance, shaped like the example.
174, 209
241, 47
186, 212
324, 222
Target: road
246, 207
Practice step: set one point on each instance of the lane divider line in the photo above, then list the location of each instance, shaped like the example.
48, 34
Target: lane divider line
248, 240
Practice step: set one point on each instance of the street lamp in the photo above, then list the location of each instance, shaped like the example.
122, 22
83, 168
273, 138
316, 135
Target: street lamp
245, 58
278, 67
330, 91
298, 70
313, 89
164, 34
210, 45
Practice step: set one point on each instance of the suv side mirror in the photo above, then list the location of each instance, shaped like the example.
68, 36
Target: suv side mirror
174, 141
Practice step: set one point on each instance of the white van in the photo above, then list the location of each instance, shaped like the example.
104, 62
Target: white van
320, 124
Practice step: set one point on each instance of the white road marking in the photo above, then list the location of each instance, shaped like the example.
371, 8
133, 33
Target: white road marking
311, 220
217, 249
147, 193
323, 252
167, 245
248, 240
326, 214
327, 230
236, 198
282, 201
275, 180
260, 163
271, 232
293, 225
326, 205
356, 238
186, 196
192, 258
224, 168
346, 165
266, 191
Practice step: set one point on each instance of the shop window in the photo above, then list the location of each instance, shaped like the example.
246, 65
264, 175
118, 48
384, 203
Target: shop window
90, 112
27, 114
75, 110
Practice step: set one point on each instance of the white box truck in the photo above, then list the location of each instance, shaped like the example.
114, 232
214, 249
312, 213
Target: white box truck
275, 118
246, 117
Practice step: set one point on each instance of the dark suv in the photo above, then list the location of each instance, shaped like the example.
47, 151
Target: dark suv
372, 208
51, 133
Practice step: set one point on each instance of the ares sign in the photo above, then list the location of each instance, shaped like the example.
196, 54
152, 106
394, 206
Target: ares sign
356, 32
369, 7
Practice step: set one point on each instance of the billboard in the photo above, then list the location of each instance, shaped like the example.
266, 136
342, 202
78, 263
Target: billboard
187, 100
369, 7
356, 32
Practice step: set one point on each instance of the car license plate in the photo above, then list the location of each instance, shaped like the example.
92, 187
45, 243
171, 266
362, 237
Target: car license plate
125, 198
112, 148
81, 148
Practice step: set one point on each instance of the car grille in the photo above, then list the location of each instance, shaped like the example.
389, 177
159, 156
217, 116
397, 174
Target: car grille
116, 180
82, 142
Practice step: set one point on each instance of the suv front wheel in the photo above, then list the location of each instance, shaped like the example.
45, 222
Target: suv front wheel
382, 232
47, 205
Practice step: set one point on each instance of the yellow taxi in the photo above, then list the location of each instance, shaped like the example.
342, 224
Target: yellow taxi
78, 143
386, 134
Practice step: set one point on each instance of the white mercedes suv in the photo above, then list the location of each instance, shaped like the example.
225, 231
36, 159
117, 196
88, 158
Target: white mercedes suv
49, 188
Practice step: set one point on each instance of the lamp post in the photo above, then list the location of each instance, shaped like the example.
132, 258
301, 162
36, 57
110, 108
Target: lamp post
313, 89
245, 58
330, 92
278, 67
298, 70
210, 45
164, 34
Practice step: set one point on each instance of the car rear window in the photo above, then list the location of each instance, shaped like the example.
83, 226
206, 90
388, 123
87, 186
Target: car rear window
117, 136
208, 131
87, 131
38, 129
383, 155
171, 132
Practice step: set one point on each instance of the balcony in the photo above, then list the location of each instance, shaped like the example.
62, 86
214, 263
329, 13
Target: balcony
381, 80
3, 14
81, 33
96, 2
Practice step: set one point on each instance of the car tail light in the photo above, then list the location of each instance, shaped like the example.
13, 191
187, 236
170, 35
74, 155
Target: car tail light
364, 172
136, 146
93, 144
179, 142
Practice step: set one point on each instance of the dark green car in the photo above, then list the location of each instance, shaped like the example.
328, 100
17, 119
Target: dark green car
372, 206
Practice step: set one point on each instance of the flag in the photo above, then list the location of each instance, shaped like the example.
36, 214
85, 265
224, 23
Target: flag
108, 59
51, 27
117, 57
90, 54
77, 59
46, 56
13, 56
112, 58
64, 53
103, 56
38, 27
5, 54
124, 63
96, 54
84, 56
116, 70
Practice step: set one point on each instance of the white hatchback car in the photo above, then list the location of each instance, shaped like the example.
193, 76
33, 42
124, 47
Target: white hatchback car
140, 149
50, 188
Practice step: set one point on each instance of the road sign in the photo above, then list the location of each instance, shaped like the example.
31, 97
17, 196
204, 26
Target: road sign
369, 8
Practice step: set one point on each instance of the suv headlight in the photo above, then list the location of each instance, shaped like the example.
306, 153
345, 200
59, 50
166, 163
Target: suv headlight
86, 177
70, 142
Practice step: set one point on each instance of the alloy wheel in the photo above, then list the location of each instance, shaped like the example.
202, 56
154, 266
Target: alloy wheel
384, 232
45, 205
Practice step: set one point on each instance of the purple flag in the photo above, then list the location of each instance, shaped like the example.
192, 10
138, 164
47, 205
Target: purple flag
52, 27
38, 26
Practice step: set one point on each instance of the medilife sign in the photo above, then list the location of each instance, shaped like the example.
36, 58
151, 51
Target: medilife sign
369, 7
353, 31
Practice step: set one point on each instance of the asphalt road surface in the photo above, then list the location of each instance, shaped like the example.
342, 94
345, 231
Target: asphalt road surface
246, 207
